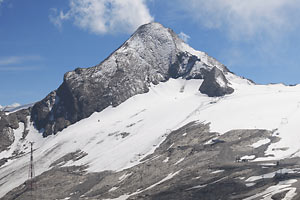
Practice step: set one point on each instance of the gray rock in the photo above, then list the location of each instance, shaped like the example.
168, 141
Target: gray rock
10, 122
153, 54
201, 171
215, 84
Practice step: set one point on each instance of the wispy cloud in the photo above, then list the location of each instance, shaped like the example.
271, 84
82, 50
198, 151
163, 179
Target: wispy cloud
20, 63
20, 68
184, 36
104, 16
244, 18
57, 17
18, 59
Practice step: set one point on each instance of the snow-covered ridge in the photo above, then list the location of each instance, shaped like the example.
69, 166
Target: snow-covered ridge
15, 107
9, 107
119, 137
153, 54
208, 60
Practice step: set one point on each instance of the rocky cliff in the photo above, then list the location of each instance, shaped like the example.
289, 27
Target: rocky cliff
152, 54
215, 84
9, 122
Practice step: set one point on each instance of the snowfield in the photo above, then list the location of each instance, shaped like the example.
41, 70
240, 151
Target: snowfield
119, 137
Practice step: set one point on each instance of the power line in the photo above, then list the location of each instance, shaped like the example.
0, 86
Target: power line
31, 169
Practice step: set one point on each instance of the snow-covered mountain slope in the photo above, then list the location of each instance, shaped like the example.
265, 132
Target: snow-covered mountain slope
12, 107
15, 107
119, 137
121, 118
151, 55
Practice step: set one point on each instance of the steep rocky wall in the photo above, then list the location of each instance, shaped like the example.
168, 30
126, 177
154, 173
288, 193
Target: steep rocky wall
150, 56
10, 122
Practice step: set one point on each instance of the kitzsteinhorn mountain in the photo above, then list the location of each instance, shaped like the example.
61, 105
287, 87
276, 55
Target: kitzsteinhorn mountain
155, 120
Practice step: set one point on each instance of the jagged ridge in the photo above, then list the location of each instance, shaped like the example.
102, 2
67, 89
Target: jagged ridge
153, 54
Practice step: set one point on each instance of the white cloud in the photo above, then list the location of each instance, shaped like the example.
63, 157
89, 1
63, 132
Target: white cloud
20, 63
104, 16
20, 68
17, 59
245, 18
57, 17
184, 37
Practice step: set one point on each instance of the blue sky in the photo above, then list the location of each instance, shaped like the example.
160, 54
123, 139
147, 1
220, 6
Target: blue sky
41, 40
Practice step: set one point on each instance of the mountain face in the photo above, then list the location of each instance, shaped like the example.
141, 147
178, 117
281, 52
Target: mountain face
10, 122
155, 120
153, 54
175, 168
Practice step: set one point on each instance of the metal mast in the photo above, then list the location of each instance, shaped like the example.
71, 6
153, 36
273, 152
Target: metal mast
31, 168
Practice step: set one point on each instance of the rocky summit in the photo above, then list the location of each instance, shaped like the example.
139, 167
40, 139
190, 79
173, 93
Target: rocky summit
153, 54
157, 119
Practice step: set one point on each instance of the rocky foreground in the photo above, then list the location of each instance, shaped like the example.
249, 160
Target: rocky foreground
192, 163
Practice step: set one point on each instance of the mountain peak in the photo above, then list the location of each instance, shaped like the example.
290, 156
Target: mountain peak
151, 55
151, 26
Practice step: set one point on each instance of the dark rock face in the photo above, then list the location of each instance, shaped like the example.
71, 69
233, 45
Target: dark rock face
153, 54
184, 65
215, 84
10, 122
187, 167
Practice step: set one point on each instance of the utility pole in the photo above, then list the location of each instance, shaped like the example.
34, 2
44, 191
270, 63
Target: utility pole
31, 169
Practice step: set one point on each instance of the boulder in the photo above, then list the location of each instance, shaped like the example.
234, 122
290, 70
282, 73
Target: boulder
215, 84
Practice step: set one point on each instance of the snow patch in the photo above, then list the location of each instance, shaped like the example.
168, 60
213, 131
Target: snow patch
217, 171
211, 141
126, 196
166, 160
261, 142
248, 157
179, 161
113, 189
122, 197
170, 176
268, 164
124, 176
250, 184
197, 187
220, 81
170, 146
282, 186
272, 174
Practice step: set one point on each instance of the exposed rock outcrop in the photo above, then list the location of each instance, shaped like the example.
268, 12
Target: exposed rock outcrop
215, 84
153, 54
187, 165
10, 122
